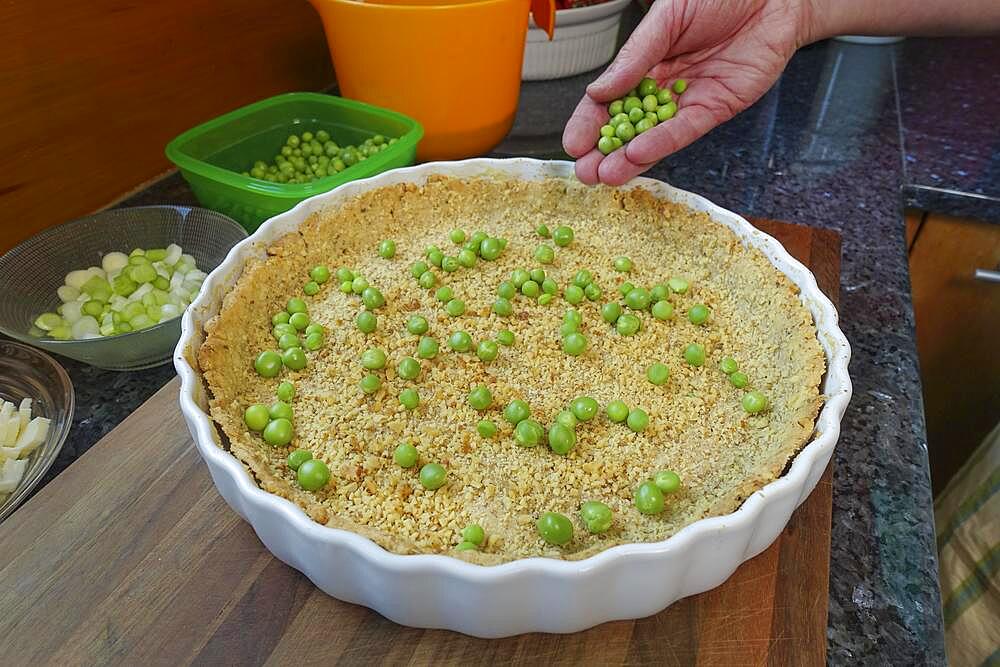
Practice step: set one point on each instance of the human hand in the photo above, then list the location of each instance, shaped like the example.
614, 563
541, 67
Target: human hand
730, 53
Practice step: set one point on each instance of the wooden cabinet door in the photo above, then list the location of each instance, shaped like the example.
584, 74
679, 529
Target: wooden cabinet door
958, 335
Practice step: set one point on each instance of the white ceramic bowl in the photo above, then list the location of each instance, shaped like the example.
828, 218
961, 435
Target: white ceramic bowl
584, 39
533, 594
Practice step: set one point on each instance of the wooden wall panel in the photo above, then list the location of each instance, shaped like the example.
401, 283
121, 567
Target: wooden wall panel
92, 91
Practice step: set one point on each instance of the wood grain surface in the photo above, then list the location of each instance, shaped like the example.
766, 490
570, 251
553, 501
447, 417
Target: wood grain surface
93, 91
131, 557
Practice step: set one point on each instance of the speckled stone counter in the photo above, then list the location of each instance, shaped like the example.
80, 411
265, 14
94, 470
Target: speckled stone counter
842, 142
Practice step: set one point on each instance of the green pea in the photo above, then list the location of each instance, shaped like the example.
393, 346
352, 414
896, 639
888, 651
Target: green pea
467, 258
754, 402
460, 341
387, 249
518, 277
573, 315
596, 516
530, 289
635, 116
507, 290
490, 249
486, 428
427, 348
298, 457
435, 257
667, 481
372, 298
545, 299
294, 358
280, 410
631, 102
659, 293
562, 236
474, 533
418, 269
543, 230
617, 120
738, 379
313, 475
281, 317
637, 420
623, 264
555, 528
680, 85
427, 280
647, 87
359, 285
694, 354
417, 325
405, 455
610, 312
268, 364
544, 254
604, 143
658, 373
574, 344
480, 398
319, 273
649, 103
505, 337
625, 131
289, 340
503, 307
315, 327
345, 287
314, 341
662, 310
370, 383
678, 285
476, 240
728, 365
649, 498
455, 307
409, 398
567, 418
573, 294
550, 287
698, 314
465, 546
408, 368
566, 328
450, 264
256, 417
628, 324
528, 433
296, 305
285, 391
299, 321
278, 432
516, 411
664, 96
538, 275
667, 111
487, 351
366, 322
457, 236
561, 438
637, 299
592, 292
444, 294
433, 476
625, 288
617, 411
584, 408
373, 358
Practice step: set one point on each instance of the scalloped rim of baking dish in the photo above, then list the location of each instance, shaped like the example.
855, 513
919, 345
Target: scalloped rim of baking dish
259, 507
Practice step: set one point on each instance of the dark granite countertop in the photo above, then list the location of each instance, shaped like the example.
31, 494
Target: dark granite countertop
846, 137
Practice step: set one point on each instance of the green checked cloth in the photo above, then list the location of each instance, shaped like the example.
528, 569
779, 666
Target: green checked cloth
967, 515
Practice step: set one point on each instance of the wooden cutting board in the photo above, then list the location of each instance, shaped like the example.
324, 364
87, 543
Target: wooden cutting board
131, 557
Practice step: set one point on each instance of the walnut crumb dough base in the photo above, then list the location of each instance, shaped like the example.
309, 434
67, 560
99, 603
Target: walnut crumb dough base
697, 426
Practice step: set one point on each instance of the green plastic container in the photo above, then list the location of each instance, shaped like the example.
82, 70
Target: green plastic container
212, 155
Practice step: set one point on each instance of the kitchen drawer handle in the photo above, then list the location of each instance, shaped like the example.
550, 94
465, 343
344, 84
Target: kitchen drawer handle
987, 275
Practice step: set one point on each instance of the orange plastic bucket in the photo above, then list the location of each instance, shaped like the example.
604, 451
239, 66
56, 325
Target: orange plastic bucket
453, 65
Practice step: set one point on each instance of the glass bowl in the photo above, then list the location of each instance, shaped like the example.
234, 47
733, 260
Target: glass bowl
29, 373
31, 273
